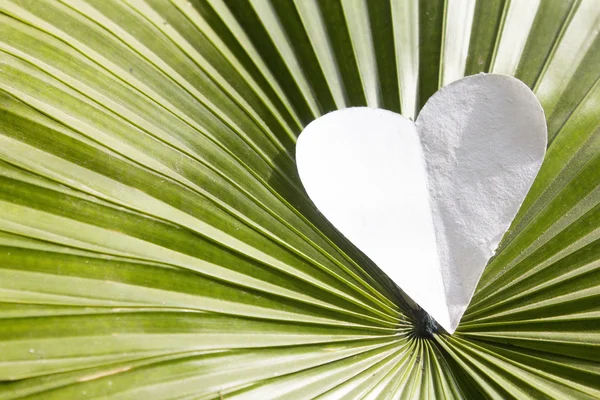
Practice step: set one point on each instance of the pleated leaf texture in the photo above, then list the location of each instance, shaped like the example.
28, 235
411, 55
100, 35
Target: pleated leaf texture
156, 242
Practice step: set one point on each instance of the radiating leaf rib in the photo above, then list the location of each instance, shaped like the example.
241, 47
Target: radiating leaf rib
457, 33
113, 283
356, 15
573, 46
382, 31
406, 42
314, 24
487, 23
270, 22
154, 212
250, 22
431, 39
515, 31
239, 55
204, 375
518, 381
289, 14
543, 37
155, 241
337, 30
314, 382
275, 126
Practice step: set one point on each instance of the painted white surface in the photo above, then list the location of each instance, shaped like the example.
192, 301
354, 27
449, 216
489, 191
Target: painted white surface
364, 169
429, 202
484, 139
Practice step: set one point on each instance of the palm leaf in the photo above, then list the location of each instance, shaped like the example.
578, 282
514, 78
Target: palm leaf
156, 241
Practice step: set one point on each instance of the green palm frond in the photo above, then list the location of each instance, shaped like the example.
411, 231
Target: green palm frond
155, 241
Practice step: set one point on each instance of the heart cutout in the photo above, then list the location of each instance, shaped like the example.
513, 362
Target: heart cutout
429, 201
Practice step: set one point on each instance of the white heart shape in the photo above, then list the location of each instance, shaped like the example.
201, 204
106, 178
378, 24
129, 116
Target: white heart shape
429, 202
